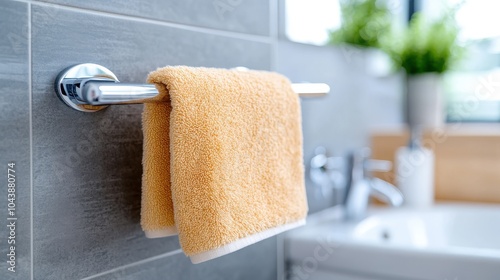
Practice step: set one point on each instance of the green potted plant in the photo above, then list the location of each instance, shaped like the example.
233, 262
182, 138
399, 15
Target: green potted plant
365, 25
426, 50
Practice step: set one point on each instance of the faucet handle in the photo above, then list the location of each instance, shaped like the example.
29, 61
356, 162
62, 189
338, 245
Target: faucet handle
377, 165
327, 173
319, 161
323, 161
362, 165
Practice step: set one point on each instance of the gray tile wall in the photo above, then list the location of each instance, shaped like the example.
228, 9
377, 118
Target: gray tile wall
254, 262
250, 17
78, 183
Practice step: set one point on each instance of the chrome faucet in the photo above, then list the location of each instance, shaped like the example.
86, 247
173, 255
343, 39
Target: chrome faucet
361, 185
327, 172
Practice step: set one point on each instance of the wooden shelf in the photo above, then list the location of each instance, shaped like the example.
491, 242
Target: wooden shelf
467, 159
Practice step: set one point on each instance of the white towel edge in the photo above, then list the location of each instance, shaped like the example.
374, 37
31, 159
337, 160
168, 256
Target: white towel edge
164, 232
243, 242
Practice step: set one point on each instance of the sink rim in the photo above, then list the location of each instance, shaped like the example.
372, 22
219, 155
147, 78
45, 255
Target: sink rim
345, 230
362, 258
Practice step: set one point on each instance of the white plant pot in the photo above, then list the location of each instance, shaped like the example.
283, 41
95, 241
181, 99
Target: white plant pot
425, 101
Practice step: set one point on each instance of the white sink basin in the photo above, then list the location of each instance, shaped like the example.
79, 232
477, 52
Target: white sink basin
450, 228
447, 242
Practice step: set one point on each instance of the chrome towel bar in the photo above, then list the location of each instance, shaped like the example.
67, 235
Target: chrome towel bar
91, 87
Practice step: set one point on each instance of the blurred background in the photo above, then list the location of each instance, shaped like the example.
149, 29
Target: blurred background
318, 22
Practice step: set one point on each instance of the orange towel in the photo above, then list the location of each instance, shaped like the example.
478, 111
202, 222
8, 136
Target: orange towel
222, 164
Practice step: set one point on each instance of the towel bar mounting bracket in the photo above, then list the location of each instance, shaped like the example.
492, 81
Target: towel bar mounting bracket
91, 87
70, 82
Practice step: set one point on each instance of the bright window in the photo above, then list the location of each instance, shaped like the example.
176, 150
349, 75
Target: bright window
473, 88
309, 21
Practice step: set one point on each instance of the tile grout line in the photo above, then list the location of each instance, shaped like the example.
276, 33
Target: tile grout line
199, 29
274, 33
30, 106
143, 261
274, 37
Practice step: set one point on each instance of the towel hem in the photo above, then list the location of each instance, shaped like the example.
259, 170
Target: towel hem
164, 232
243, 242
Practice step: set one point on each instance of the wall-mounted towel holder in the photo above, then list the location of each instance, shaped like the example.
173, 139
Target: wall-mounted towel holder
91, 87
